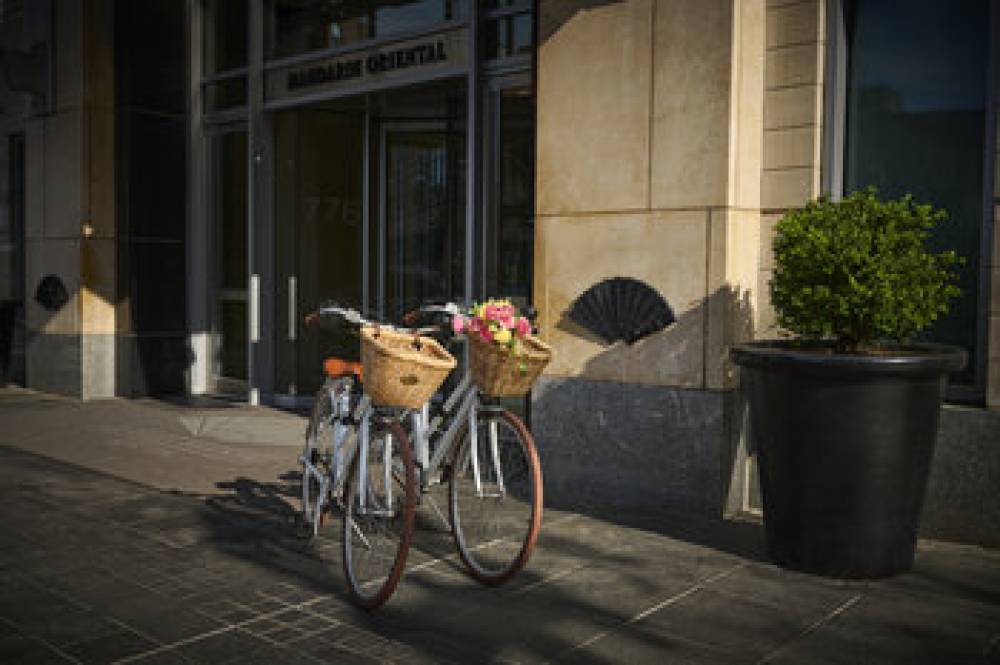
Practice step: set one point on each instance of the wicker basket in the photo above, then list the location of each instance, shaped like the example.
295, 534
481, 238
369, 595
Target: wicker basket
399, 372
498, 373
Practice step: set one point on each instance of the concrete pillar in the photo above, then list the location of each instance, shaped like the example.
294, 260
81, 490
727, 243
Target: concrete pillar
70, 210
649, 157
649, 160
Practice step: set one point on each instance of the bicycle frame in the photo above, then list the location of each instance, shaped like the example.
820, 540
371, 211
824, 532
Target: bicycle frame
423, 431
348, 442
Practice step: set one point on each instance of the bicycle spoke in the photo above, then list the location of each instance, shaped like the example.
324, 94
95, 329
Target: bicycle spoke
360, 535
495, 498
378, 518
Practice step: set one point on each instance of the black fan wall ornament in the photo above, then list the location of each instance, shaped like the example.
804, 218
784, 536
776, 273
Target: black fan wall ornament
621, 308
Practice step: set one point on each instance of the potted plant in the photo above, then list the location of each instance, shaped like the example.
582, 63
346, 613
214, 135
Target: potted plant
845, 417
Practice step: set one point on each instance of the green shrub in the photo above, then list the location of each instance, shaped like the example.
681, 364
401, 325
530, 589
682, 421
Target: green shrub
858, 270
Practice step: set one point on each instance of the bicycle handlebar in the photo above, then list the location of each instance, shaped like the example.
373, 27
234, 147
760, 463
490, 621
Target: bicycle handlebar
354, 317
449, 309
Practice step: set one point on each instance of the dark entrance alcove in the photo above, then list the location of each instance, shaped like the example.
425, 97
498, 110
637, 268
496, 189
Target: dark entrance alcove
150, 131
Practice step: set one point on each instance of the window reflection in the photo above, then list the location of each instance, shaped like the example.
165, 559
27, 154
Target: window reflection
425, 221
510, 225
299, 26
509, 36
916, 123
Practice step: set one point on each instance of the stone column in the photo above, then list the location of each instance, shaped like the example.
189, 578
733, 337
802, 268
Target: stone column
649, 158
70, 210
649, 166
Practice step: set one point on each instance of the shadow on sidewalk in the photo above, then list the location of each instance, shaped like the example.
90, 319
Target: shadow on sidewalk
258, 522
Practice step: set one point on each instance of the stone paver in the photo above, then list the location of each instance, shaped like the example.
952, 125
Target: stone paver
106, 559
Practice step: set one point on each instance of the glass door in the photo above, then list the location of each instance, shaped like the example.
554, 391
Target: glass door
422, 218
319, 213
229, 212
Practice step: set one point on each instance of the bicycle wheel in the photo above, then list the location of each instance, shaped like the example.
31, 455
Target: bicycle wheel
495, 525
317, 450
378, 522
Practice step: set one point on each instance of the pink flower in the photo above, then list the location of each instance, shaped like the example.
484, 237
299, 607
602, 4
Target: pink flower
485, 334
507, 321
458, 323
523, 326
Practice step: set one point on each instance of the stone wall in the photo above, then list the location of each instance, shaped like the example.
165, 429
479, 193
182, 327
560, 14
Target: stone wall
649, 165
70, 209
649, 156
793, 125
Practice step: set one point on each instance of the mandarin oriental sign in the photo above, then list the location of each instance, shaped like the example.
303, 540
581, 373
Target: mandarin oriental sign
387, 65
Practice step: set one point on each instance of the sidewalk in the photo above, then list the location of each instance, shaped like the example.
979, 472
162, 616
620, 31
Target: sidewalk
153, 533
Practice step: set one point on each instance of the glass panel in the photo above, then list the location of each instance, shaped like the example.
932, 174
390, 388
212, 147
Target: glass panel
233, 342
510, 230
320, 153
226, 94
231, 208
299, 26
425, 219
225, 35
230, 216
916, 121
393, 17
508, 36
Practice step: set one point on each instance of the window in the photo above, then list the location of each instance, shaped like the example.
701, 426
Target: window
508, 30
300, 26
510, 228
916, 100
224, 37
224, 53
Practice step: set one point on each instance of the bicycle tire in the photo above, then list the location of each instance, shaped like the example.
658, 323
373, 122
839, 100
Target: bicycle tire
372, 587
317, 431
496, 548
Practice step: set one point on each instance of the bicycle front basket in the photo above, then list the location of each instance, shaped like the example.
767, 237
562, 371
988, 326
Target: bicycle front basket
498, 373
402, 370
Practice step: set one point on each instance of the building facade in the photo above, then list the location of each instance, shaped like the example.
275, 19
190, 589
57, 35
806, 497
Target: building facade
186, 179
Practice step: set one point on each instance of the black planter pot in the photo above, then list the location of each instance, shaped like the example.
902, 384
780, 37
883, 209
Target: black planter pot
844, 446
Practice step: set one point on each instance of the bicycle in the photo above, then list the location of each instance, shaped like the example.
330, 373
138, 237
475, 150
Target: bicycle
358, 456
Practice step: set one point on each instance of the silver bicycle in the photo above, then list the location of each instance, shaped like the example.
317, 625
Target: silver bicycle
358, 458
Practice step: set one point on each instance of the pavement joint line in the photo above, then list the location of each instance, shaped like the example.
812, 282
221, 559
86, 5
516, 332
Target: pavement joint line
693, 589
134, 631
992, 645
59, 651
219, 631
565, 572
813, 627
454, 555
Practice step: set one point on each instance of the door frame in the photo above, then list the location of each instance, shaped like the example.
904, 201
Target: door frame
217, 382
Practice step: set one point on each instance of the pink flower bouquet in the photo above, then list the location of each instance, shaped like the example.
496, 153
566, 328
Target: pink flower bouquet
494, 321
505, 357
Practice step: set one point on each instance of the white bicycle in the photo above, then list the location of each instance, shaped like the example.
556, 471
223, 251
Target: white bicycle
358, 458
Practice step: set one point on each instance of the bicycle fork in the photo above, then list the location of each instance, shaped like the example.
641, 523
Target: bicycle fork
369, 502
493, 435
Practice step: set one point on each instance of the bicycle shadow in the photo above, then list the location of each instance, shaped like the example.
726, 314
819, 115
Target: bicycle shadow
257, 522
266, 516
